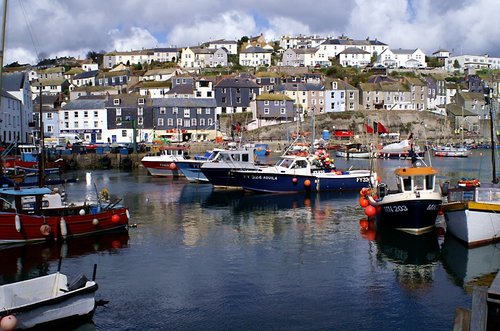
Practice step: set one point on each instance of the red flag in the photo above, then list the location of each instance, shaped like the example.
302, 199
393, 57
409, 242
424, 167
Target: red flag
381, 129
368, 128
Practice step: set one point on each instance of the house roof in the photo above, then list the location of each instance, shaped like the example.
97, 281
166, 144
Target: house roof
354, 50
471, 96
380, 78
181, 89
86, 74
184, 102
237, 82
347, 41
104, 74
273, 97
256, 49
222, 41
154, 84
415, 81
87, 102
403, 51
341, 85
160, 71
8, 95
13, 82
299, 87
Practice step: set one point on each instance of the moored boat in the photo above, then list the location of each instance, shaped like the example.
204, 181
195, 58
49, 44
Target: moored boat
413, 207
220, 170
314, 173
451, 151
163, 164
39, 214
47, 300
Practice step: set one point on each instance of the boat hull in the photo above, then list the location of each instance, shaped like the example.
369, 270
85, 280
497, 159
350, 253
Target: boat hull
191, 169
63, 307
290, 183
353, 155
399, 154
473, 223
31, 228
411, 215
161, 168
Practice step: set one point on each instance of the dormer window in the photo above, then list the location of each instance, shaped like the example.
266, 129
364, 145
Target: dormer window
140, 101
116, 102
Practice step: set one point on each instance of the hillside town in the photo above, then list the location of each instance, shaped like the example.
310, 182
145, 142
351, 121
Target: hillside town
191, 93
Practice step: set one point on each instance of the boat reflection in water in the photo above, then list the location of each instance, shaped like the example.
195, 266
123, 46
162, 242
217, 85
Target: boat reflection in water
469, 264
414, 257
32, 260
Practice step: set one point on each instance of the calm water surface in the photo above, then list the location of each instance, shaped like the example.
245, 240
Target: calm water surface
201, 259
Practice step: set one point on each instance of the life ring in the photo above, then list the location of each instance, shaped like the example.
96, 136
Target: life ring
45, 230
127, 163
105, 162
469, 183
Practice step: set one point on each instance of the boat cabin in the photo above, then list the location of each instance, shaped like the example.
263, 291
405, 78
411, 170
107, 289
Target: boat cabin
416, 179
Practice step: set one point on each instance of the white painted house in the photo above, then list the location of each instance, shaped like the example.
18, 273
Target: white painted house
255, 57
402, 58
354, 57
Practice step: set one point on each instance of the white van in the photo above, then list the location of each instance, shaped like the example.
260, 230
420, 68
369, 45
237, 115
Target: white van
71, 138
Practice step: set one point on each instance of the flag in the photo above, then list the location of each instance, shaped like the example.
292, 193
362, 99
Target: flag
368, 128
381, 129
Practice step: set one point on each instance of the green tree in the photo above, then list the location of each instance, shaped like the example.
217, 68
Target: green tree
456, 65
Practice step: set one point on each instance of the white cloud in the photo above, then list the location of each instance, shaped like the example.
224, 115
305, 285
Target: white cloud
230, 25
76, 27
131, 39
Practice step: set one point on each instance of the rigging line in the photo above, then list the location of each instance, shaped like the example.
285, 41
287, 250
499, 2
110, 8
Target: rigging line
34, 40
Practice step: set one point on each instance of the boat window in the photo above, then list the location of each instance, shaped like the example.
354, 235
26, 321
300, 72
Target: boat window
244, 158
236, 157
226, 157
300, 164
284, 163
407, 183
418, 183
429, 182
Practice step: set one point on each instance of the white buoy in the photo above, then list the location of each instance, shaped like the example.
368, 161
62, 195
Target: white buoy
64, 227
128, 214
8, 323
81, 212
95, 221
17, 220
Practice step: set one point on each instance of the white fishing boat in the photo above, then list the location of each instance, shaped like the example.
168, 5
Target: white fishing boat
163, 163
449, 150
47, 300
473, 212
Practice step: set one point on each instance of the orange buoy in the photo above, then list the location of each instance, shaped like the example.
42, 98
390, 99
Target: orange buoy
307, 183
370, 211
363, 202
370, 234
364, 191
45, 229
172, 166
8, 323
363, 223
115, 218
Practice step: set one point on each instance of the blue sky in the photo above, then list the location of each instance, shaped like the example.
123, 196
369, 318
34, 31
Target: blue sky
74, 27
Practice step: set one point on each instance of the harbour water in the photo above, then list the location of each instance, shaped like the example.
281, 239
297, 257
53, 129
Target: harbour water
204, 259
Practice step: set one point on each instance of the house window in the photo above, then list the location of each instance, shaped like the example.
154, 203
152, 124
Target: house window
179, 121
85, 124
140, 120
85, 114
96, 113
202, 122
124, 133
96, 124
207, 111
163, 110
140, 111
187, 112
198, 94
49, 115
75, 124
223, 99
160, 121
238, 100
175, 110
66, 115
118, 112
140, 101
282, 111
76, 114
50, 128
116, 102
351, 95
210, 121
276, 102
266, 111
266, 102
193, 122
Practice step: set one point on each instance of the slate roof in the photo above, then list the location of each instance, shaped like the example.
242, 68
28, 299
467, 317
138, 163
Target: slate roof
273, 97
256, 49
343, 41
456, 110
13, 82
181, 89
237, 82
299, 87
341, 85
86, 102
8, 95
403, 51
384, 87
86, 74
354, 50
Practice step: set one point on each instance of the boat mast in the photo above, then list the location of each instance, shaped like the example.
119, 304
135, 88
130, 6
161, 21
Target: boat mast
4, 24
41, 157
487, 98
